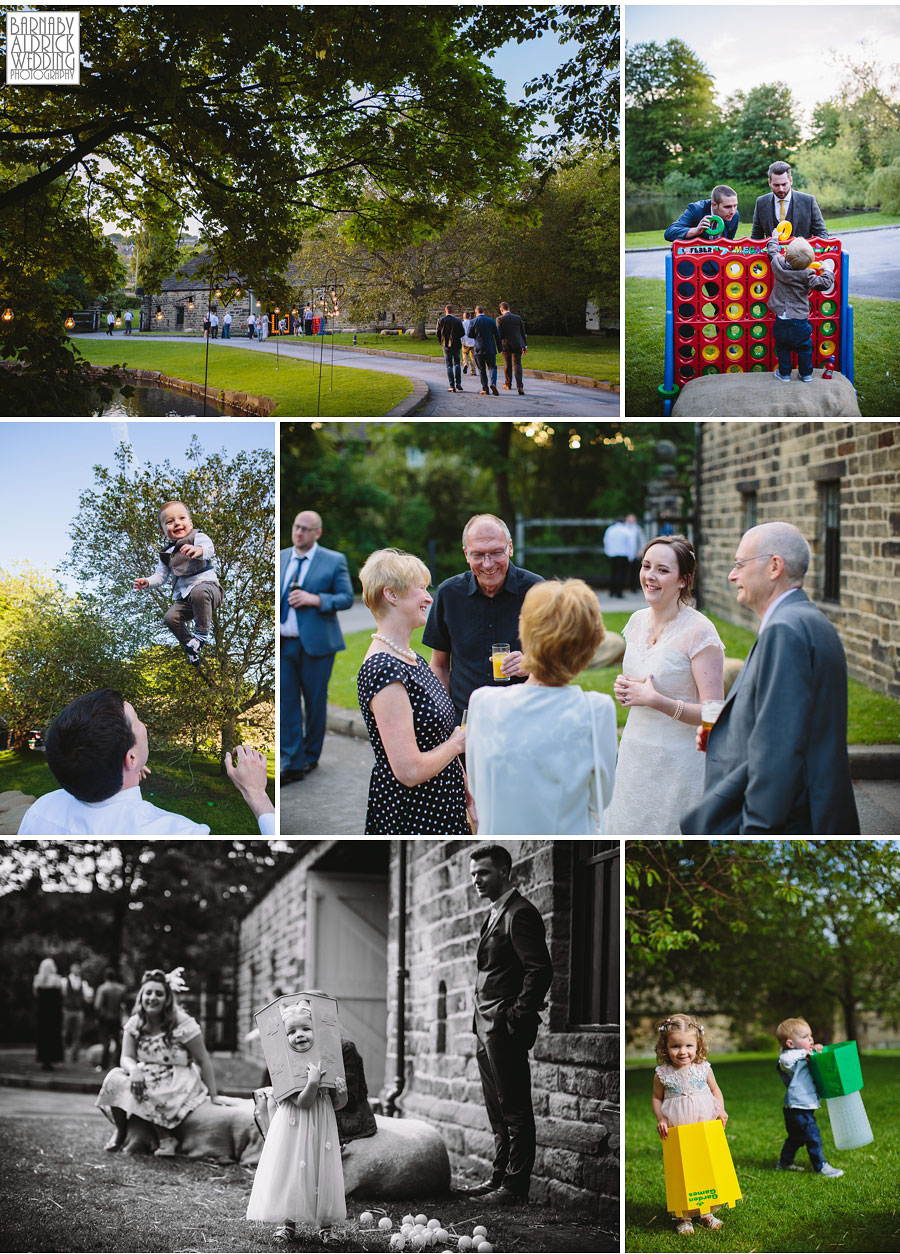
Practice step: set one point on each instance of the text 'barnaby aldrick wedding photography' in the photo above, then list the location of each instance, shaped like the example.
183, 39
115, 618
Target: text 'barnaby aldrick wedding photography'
42, 48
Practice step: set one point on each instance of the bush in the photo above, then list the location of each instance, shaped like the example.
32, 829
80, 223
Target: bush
883, 190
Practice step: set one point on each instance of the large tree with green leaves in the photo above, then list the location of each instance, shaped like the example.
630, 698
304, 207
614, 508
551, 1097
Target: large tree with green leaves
758, 127
115, 537
670, 112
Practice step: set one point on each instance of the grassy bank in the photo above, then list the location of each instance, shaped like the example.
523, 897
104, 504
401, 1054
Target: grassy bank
877, 377
779, 1210
188, 785
294, 385
836, 226
872, 718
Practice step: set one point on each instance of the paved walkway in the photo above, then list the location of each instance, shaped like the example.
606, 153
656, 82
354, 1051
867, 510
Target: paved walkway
874, 262
543, 398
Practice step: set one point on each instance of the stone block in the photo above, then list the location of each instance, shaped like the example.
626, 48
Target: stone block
609, 652
405, 1158
13, 808
731, 671
762, 396
562, 1106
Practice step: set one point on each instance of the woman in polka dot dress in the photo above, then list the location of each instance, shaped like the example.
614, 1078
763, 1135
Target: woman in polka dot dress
418, 785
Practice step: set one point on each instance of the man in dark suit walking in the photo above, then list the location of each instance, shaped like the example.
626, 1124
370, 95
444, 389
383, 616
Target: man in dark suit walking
449, 332
783, 204
487, 344
514, 975
776, 758
514, 343
315, 584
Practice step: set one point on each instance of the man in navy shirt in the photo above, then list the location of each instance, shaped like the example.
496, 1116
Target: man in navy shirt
694, 223
474, 610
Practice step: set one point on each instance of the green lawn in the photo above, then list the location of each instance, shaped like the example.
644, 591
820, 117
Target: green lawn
191, 786
294, 385
876, 326
593, 356
872, 718
779, 1211
837, 226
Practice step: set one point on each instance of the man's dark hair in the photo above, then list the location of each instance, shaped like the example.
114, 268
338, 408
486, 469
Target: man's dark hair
500, 857
87, 743
778, 167
504, 306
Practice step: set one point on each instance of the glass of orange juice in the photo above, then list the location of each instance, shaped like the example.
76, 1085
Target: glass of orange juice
499, 653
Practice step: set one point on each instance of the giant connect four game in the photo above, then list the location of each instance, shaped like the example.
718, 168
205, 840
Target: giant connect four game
718, 316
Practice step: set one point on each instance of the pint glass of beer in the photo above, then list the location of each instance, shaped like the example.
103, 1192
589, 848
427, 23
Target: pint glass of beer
499, 653
709, 712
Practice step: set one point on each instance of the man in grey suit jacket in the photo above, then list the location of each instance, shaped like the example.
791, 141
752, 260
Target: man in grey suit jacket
784, 204
315, 584
776, 758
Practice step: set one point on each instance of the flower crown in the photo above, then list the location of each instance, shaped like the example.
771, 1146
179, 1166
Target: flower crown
174, 978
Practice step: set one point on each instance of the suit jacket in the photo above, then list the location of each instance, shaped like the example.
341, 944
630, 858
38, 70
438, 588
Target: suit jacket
514, 972
693, 216
327, 575
484, 332
512, 332
805, 217
449, 332
776, 759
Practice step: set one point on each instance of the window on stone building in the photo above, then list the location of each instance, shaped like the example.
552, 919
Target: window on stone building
441, 1043
749, 510
594, 984
831, 520
179, 317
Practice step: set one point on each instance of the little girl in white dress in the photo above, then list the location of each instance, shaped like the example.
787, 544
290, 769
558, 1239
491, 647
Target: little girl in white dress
299, 1178
684, 1089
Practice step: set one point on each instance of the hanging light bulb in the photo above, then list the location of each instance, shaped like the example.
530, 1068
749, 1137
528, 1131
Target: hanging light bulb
190, 302
69, 323
159, 314
7, 314
118, 321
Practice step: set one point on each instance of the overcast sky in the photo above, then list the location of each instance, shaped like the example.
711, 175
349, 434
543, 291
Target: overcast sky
744, 46
47, 465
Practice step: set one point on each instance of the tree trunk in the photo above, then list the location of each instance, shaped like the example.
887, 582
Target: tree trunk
229, 734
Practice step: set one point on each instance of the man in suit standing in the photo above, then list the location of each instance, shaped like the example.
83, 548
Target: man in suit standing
783, 204
514, 976
487, 344
514, 343
315, 584
776, 758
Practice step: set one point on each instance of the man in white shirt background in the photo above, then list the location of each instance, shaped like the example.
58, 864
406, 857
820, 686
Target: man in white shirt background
97, 749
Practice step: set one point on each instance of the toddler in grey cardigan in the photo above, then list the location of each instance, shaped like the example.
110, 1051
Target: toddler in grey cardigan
793, 280
186, 559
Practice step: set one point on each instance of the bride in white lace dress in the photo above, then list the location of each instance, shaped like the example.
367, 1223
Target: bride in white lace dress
673, 661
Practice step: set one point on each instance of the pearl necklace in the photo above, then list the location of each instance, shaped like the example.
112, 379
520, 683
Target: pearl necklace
398, 648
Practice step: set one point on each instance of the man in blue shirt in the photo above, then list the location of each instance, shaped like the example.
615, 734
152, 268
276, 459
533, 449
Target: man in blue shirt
694, 223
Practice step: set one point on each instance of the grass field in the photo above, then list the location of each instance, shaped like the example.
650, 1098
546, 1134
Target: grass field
294, 385
190, 785
872, 717
60, 1191
779, 1211
837, 226
877, 375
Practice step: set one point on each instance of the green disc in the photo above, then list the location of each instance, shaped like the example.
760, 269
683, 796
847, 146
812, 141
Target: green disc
758, 350
756, 367
829, 306
734, 332
710, 370
758, 331
758, 309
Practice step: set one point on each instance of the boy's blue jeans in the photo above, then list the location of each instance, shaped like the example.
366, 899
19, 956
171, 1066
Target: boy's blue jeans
802, 1129
793, 335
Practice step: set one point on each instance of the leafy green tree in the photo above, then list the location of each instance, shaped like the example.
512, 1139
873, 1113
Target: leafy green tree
115, 537
670, 112
758, 127
883, 189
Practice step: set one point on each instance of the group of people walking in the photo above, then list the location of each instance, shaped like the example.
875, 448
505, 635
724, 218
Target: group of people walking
491, 736
470, 344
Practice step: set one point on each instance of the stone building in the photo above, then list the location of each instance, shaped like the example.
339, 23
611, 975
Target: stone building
185, 297
839, 482
404, 981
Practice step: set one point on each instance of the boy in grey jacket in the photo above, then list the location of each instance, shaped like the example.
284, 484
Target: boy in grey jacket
186, 560
801, 1101
793, 280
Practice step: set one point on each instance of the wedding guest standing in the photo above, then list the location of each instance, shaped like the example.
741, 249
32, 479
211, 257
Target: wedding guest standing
673, 661
417, 786
48, 993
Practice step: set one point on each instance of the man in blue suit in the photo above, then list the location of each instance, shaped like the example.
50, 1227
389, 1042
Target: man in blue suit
315, 584
695, 221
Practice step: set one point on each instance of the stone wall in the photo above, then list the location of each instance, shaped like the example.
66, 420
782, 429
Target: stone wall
786, 465
575, 1075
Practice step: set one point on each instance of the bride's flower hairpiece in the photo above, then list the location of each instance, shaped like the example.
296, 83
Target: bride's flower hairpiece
666, 1027
174, 978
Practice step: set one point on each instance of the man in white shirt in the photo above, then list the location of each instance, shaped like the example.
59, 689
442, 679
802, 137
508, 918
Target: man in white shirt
776, 758
97, 748
618, 545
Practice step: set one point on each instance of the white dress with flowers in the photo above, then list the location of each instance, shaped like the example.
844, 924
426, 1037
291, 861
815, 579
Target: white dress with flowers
687, 1095
173, 1084
299, 1176
660, 772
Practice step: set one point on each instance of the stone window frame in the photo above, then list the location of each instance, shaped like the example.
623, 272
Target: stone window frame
594, 977
749, 490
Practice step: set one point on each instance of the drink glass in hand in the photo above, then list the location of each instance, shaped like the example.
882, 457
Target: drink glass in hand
499, 654
709, 712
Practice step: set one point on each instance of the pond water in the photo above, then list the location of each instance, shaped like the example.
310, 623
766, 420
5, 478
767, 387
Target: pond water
160, 403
